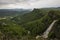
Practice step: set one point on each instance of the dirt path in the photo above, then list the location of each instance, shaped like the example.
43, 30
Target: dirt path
45, 34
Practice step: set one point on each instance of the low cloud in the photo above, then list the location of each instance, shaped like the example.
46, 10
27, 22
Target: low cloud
28, 3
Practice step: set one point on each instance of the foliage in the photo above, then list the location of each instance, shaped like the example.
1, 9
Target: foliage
31, 24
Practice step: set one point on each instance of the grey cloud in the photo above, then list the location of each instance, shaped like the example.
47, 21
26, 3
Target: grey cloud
15, 1
28, 3
7, 1
11, 1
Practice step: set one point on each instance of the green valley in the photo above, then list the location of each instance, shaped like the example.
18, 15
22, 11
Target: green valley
29, 25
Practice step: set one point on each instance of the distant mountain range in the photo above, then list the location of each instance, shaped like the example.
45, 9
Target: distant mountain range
14, 10
9, 12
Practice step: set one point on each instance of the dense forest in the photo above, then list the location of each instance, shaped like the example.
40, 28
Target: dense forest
28, 25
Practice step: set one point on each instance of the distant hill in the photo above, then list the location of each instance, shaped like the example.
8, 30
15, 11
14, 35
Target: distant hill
31, 16
12, 12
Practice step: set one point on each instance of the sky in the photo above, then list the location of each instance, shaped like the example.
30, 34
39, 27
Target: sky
28, 4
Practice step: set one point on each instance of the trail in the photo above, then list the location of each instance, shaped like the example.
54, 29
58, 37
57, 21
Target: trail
45, 34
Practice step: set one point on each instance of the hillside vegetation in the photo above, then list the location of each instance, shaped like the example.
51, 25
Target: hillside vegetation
29, 25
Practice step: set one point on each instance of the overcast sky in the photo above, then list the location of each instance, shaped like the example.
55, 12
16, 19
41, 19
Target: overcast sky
27, 4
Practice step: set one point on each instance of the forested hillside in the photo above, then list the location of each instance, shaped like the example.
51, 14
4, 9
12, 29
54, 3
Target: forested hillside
29, 25
34, 15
